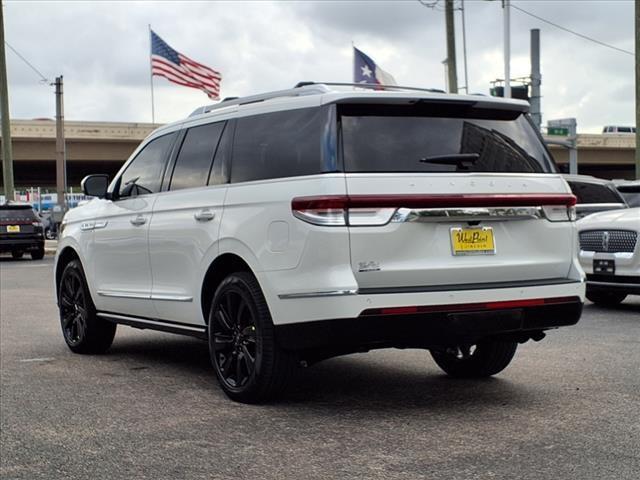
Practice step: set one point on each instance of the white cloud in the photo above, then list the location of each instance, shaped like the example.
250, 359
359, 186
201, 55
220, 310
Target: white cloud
102, 49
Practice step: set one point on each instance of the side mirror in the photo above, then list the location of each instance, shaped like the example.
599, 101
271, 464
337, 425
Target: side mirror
95, 185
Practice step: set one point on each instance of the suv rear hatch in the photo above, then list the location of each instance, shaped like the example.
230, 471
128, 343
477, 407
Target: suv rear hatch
17, 220
451, 195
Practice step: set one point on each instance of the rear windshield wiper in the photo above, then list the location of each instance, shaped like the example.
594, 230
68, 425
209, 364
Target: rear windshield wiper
459, 159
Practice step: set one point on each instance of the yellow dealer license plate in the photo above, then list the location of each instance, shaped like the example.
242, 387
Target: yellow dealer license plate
13, 228
473, 241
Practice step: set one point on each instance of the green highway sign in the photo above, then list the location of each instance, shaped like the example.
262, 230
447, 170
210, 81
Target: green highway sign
560, 131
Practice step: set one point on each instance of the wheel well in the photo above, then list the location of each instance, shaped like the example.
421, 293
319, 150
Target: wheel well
65, 257
221, 267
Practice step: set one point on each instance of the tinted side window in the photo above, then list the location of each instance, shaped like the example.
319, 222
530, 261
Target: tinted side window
594, 193
222, 160
279, 144
144, 173
196, 154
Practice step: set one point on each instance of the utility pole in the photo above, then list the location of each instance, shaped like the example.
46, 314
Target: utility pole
637, 89
536, 78
7, 155
464, 49
61, 174
451, 47
507, 48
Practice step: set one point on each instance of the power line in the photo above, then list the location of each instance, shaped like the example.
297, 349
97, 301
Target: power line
573, 32
43, 79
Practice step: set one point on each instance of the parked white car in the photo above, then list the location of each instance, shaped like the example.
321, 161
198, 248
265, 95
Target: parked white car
610, 255
294, 226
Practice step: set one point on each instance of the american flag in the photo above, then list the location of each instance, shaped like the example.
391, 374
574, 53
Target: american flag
180, 69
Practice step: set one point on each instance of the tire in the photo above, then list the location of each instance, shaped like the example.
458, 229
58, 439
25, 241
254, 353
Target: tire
37, 254
16, 254
83, 331
606, 299
488, 358
249, 365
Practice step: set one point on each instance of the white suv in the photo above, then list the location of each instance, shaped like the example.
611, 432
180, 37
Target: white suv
610, 255
294, 226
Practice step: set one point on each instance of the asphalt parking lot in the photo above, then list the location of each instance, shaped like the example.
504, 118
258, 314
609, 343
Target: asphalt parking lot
567, 408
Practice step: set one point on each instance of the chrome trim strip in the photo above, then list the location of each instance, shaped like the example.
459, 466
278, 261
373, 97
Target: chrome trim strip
468, 286
117, 294
146, 321
171, 298
473, 213
145, 296
328, 293
101, 224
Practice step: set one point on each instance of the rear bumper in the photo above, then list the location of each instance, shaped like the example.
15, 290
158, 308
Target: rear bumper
618, 283
34, 242
452, 324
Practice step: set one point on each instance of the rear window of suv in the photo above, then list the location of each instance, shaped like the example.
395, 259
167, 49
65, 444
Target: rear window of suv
17, 213
440, 138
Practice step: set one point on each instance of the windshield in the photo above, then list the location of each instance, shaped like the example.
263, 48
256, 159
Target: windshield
440, 139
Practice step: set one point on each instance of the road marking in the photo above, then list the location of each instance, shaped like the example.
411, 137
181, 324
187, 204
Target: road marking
43, 359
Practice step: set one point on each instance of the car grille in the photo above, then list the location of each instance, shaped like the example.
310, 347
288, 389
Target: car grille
610, 241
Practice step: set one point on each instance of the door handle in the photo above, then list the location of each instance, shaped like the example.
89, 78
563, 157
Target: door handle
139, 220
204, 215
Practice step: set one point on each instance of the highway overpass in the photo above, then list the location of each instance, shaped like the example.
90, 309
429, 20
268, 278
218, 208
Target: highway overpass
102, 147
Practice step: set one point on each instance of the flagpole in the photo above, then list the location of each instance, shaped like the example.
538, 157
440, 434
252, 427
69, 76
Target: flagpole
353, 63
153, 113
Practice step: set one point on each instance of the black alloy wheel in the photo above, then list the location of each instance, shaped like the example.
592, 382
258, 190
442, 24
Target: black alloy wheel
234, 338
38, 254
73, 308
83, 330
249, 364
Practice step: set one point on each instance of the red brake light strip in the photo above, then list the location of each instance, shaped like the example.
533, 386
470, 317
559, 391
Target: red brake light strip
470, 307
431, 201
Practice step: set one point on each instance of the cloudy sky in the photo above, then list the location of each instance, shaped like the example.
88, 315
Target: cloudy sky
102, 49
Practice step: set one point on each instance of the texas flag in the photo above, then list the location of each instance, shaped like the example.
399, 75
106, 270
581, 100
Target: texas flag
365, 70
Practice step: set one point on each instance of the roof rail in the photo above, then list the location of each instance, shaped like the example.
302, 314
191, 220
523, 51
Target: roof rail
370, 86
310, 89
301, 89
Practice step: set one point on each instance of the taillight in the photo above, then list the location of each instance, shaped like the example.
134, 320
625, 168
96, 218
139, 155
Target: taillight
378, 210
338, 211
560, 213
326, 211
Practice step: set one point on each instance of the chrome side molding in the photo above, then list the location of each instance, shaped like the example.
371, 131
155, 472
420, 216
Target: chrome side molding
121, 294
326, 293
145, 296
